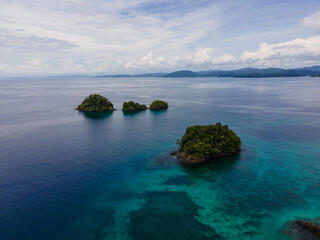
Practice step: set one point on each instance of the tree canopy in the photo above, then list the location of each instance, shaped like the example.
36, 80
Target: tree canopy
158, 105
133, 106
209, 141
95, 103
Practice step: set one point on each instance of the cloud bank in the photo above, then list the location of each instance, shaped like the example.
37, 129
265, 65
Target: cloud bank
290, 53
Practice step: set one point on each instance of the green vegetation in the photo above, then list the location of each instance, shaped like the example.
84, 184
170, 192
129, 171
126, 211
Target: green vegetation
95, 103
201, 143
158, 105
132, 106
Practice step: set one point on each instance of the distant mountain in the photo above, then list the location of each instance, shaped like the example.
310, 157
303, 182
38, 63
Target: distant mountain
114, 76
314, 68
151, 75
315, 75
238, 73
250, 73
183, 73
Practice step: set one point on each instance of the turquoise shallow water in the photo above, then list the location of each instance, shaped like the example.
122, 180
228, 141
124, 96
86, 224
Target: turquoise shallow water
70, 175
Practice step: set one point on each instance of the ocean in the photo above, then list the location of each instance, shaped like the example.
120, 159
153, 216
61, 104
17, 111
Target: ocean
68, 175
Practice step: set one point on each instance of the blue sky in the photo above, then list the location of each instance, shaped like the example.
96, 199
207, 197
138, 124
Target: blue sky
138, 36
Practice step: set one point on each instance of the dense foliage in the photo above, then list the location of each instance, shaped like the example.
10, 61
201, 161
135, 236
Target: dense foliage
158, 104
209, 141
95, 103
132, 106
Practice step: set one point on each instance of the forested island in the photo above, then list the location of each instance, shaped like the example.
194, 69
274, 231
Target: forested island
98, 103
95, 103
158, 105
133, 106
202, 143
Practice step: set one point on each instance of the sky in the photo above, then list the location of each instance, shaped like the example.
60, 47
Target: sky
45, 37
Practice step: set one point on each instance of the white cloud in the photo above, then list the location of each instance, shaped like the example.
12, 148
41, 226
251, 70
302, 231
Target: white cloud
204, 57
296, 52
312, 21
33, 66
150, 63
201, 58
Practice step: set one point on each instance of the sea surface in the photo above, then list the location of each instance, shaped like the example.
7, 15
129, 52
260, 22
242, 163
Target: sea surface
66, 175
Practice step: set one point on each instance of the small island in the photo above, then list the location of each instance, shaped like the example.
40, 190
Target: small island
95, 103
158, 105
132, 106
202, 143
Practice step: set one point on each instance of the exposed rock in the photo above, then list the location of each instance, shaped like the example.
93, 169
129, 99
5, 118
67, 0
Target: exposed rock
306, 230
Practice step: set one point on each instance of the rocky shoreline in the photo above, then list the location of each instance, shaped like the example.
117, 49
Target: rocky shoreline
193, 160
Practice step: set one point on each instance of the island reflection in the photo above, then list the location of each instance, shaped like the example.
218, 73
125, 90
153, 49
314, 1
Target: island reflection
96, 115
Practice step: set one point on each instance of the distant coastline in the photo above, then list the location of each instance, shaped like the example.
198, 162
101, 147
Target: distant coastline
313, 71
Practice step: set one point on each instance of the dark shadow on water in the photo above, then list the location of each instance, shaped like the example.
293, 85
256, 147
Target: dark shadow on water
133, 113
216, 166
96, 115
158, 112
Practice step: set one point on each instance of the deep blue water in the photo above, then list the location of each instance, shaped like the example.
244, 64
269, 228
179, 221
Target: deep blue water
70, 175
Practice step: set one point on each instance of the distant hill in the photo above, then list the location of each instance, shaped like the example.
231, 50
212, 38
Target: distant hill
315, 75
183, 73
150, 75
314, 68
238, 73
250, 73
